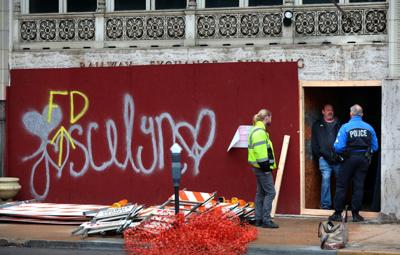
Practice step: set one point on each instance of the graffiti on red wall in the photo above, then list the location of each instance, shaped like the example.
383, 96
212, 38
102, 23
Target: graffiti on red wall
76, 137
123, 121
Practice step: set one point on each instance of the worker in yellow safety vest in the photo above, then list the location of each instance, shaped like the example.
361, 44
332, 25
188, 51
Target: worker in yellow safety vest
262, 159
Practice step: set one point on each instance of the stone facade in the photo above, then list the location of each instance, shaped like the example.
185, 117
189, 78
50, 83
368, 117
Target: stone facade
4, 46
346, 62
390, 150
4, 72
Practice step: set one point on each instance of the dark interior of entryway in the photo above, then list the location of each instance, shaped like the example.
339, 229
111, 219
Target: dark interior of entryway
342, 98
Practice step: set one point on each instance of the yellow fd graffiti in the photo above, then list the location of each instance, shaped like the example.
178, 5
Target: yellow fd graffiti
62, 132
73, 118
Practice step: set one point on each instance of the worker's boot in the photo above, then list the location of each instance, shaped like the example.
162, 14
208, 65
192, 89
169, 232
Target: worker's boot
258, 223
357, 217
270, 224
336, 216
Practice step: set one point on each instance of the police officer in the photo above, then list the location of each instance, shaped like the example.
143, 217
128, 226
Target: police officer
356, 141
261, 158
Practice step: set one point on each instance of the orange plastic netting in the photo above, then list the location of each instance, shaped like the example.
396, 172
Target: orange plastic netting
208, 233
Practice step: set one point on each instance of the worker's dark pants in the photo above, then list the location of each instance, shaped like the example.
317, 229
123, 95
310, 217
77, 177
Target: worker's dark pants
264, 196
353, 169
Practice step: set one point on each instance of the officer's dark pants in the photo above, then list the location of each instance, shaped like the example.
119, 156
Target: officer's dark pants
353, 168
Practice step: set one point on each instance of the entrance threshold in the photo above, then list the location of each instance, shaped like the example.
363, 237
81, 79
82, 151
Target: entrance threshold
327, 213
329, 85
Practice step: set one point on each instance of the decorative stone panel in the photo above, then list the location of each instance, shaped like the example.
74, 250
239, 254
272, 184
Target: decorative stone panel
239, 25
28, 30
57, 29
334, 22
375, 21
145, 28
352, 22
67, 29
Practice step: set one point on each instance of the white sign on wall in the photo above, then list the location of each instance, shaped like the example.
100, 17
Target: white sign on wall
239, 140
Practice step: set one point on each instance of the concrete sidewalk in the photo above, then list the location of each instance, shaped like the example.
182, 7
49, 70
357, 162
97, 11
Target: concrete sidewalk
295, 236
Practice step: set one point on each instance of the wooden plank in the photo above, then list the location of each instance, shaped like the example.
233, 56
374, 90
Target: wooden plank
302, 148
344, 83
279, 174
326, 213
313, 100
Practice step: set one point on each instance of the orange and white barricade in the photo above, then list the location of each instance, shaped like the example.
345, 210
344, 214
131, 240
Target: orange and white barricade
191, 201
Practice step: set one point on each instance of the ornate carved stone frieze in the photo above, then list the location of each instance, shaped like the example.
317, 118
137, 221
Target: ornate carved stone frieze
238, 25
333, 22
219, 24
145, 28
57, 29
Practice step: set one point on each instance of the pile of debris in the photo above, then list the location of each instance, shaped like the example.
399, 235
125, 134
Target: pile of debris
31, 211
210, 232
205, 224
157, 219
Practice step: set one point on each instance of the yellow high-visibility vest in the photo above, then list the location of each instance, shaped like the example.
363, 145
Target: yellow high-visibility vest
260, 146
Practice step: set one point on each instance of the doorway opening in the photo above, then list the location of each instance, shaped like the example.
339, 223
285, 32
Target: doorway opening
342, 98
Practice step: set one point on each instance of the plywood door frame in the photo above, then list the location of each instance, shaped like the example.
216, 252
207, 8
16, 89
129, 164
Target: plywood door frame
323, 84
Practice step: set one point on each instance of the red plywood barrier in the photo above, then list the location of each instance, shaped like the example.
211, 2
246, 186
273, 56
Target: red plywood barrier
122, 122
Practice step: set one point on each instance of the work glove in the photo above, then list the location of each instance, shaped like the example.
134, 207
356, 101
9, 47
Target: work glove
264, 166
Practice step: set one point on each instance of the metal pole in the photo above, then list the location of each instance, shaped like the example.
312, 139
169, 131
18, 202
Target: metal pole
176, 172
176, 189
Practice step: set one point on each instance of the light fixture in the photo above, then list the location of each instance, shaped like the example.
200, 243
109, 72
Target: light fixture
287, 18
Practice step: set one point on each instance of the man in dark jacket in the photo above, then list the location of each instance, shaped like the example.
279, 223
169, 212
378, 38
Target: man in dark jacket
323, 136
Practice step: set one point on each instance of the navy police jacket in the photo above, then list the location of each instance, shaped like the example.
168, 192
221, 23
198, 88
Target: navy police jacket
356, 135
